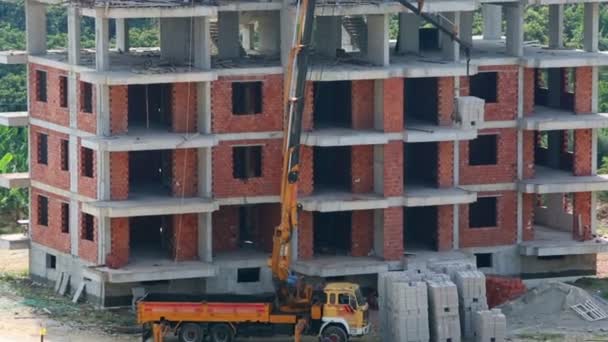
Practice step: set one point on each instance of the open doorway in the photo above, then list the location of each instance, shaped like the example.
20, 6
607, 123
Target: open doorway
421, 100
332, 233
332, 168
554, 88
150, 172
554, 149
420, 228
150, 106
421, 164
332, 104
150, 237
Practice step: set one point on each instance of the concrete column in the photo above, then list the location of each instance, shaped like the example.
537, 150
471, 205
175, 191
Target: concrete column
104, 246
73, 35
201, 42
175, 36
288, 19
409, 38
591, 26
228, 43
328, 35
520, 153
515, 29
449, 48
102, 97
268, 29
35, 22
378, 168
556, 26
379, 232
554, 82
102, 44
492, 21
203, 99
73, 163
103, 175
122, 34
377, 39
74, 227
466, 27
246, 33
205, 238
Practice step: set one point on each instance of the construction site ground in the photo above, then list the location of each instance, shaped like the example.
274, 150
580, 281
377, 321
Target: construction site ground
26, 307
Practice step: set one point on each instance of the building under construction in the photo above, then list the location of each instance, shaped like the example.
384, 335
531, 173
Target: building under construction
160, 167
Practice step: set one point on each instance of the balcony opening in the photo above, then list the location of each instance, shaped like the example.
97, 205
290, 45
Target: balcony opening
150, 237
332, 104
150, 172
150, 106
554, 150
420, 164
483, 150
483, 213
420, 228
553, 217
246, 98
554, 88
246, 162
248, 275
332, 168
421, 100
332, 233
483, 260
485, 86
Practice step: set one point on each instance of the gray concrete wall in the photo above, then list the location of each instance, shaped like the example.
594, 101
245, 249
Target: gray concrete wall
552, 214
566, 266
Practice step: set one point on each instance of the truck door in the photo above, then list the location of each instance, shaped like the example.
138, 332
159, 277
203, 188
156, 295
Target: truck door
347, 308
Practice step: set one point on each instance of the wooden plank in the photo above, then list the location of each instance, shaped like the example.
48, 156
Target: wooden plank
58, 282
79, 291
64, 285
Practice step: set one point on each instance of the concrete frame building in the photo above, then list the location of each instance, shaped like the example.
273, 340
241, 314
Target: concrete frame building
159, 168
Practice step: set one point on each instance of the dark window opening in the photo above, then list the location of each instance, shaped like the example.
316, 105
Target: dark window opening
65, 217
332, 104
88, 227
246, 162
43, 149
421, 99
63, 91
332, 233
87, 97
420, 228
420, 163
483, 212
485, 86
87, 162
150, 105
65, 155
248, 219
150, 171
248, 275
332, 168
150, 237
41, 92
246, 98
428, 38
483, 259
43, 211
551, 257
51, 261
483, 150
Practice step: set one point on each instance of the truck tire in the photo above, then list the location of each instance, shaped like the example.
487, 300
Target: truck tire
221, 333
191, 332
334, 333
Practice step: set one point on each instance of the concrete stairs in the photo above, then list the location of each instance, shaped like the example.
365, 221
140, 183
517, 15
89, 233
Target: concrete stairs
356, 27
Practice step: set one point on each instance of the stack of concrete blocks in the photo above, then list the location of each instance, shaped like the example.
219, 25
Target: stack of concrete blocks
451, 267
443, 309
489, 326
471, 298
403, 307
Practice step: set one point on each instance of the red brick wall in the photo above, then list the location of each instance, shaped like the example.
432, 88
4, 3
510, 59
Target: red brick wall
529, 84
362, 169
582, 207
184, 174
582, 152
445, 227
51, 173
87, 186
225, 229
505, 169
506, 106
305, 235
393, 233
51, 235
119, 175
225, 185
119, 251
362, 95
119, 109
505, 233
393, 168
271, 118
528, 204
185, 237
183, 107
502, 289
583, 89
445, 104
362, 232
50, 110
528, 150
305, 185
393, 105
87, 250
307, 116
445, 164
86, 121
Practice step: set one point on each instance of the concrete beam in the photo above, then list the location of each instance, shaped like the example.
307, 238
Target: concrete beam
409, 38
377, 39
556, 26
74, 21
102, 44
35, 23
492, 21
417, 132
449, 48
427, 196
13, 57
340, 266
122, 34
551, 120
154, 270
127, 77
346, 137
328, 35
15, 180
567, 247
331, 202
268, 30
591, 26
14, 119
549, 181
229, 44
147, 141
515, 29
149, 205
171, 11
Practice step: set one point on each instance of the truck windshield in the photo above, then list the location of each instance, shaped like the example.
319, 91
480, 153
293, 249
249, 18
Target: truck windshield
360, 298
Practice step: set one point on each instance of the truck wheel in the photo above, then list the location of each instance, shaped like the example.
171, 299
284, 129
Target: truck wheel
190, 332
221, 333
334, 333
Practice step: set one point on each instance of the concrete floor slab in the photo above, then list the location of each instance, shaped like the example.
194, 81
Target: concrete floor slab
13, 57
343, 201
14, 119
15, 180
336, 266
148, 9
547, 181
142, 139
549, 119
14, 241
152, 270
420, 196
418, 131
344, 137
145, 205
548, 241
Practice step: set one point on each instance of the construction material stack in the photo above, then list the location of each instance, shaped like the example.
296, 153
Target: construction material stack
444, 318
471, 298
489, 326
